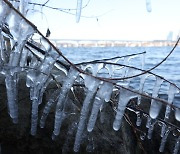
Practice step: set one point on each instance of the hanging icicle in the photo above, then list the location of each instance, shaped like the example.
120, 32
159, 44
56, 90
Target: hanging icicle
52, 100
92, 85
155, 106
124, 98
177, 145
148, 5
78, 10
171, 92
141, 86
103, 94
67, 84
164, 139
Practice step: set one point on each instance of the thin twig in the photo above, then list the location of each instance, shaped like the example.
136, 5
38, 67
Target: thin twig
106, 59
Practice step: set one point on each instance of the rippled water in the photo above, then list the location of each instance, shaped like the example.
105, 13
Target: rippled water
170, 69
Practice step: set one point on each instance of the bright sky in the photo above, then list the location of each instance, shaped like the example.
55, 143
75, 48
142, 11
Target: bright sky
121, 20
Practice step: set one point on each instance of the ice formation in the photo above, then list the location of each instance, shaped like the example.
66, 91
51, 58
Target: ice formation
67, 84
124, 98
148, 5
19, 53
103, 94
155, 106
163, 140
78, 10
92, 86
177, 144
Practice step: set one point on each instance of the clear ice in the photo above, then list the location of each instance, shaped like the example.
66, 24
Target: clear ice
103, 94
78, 10
124, 98
150, 126
23, 6
91, 90
11, 88
53, 98
67, 84
141, 86
155, 106
39, 81
177, 145
148, 5
138, 120
171, 92
177, 114
164, 139
4, 11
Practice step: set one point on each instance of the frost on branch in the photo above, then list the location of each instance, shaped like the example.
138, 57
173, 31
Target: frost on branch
105, 85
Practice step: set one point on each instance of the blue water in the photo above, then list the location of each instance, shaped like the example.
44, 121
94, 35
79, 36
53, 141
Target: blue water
170, 69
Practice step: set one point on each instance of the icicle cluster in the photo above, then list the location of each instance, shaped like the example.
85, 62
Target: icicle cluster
18, 55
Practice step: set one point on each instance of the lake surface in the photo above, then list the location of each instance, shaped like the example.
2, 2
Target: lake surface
170, 69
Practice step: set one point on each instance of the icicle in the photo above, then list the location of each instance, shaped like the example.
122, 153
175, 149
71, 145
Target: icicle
92, 87
139, 120
23, 60
124, 98
78, 10
31, 73
151, 128
19, 28
131, 72
163, 140
45, 44
148, 5
40, 75
48, 107
96, 68
171, 92
39, 82
11, 87
141, 86
177, 114
143, 61
102, 112
97, 103
4, 11
163, 129
110, 69
104, 93
125, 62
148, 122
155, 106
23, 6
67, 84
34, 117
36, 97
3, 52
177, 144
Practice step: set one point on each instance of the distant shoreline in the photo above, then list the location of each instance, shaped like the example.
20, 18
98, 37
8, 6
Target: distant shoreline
111, 43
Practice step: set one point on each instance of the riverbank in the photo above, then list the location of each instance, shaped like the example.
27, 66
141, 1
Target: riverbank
111, 43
